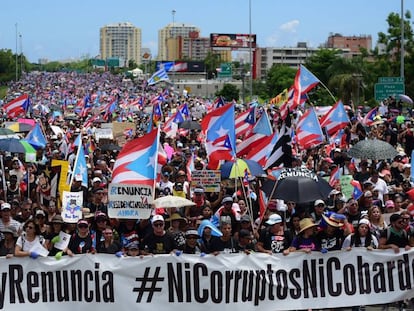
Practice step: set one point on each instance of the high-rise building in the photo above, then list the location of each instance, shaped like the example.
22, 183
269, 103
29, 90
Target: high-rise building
167, 48
350, 45
121, 40
288, 56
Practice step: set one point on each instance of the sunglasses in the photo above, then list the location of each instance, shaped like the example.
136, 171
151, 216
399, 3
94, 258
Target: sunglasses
29, 227
158, 224
191, 238
83, 226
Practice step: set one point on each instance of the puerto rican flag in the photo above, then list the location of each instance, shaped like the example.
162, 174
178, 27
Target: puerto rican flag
261, 150
357, 192
244, 122
219, 124
171, 126
370, 116
336, 119
17, 107
137, 161
334, 179
308, 131
304, 82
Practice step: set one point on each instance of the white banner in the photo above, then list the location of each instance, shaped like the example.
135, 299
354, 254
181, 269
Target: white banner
129, 201
190, 282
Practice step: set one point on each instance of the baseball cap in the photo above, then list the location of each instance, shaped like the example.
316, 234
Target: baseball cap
96, 179
227, 199
198, 190
83, 222
100, 214
78, 177
192, 232
5, 206
317, 202
133, 245
40, 212
274, 219
156, 218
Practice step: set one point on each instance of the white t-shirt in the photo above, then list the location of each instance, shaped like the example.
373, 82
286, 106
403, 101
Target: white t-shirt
26, 245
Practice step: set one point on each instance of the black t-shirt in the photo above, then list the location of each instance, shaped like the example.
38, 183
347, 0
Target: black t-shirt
331, 242
156, 244
80, 245
228, 246
275, 243
111, 249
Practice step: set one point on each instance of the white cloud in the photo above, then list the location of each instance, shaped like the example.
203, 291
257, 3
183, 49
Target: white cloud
290, 27
284, 35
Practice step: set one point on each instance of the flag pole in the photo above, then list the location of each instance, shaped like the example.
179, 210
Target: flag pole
3, 178
72, 176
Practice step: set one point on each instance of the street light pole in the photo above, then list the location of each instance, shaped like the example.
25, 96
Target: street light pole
21, 53
173, 21
402, 40
17, 73
250, 50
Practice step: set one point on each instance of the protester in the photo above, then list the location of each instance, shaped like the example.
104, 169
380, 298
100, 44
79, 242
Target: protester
226, 243
362, 237
306, 240
395, 236
274, 238
332, 231
8, 243
30, 242
81, 240
158, 241
191, 242
109, 245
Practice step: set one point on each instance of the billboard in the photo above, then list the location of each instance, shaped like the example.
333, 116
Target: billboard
181, 66
233, 41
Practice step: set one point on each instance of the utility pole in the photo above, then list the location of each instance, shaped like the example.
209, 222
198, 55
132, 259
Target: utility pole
17, 71
402, 41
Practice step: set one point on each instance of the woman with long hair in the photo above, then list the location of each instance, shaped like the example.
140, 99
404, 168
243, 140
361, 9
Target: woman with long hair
362, 237
376, 218
28, 240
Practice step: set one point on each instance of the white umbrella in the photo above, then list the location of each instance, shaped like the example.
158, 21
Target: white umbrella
172, 201
406, 99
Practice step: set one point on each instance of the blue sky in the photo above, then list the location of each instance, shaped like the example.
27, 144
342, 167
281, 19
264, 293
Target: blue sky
59, 30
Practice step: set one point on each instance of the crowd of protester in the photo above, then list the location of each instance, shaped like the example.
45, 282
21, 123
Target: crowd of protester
227, 221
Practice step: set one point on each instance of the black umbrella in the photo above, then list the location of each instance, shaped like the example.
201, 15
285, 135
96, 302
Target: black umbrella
189, 124
373, 149
110, 147
299, 185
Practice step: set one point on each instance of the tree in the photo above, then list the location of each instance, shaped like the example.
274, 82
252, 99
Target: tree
229, 92
392, 40
279, 77
212, 61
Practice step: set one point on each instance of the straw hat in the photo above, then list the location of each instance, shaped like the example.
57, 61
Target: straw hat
176, 216
306, 223
334, 220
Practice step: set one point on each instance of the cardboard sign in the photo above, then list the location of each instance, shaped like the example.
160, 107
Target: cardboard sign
209, 179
